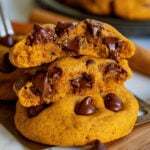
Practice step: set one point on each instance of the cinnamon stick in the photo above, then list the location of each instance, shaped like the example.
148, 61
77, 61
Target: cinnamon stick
140, 62
38, 15
22, 28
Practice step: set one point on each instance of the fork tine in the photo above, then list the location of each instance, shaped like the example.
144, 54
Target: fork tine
5, 18
2, 28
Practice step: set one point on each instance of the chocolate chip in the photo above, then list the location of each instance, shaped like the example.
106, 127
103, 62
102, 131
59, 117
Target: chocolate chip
90, 61
35, 110
115, 69
113, 102
94, 27
74, 44
114, 46
85, 107
97, 145
64, 27
41, 84
86, 81
6, 66
55, 72
41, 35
7, 40
110, 42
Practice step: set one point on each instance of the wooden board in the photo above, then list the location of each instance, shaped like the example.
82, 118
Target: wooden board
138, 139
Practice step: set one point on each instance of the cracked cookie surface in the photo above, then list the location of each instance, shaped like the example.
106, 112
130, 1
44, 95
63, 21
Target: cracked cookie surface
89, 37
70, 75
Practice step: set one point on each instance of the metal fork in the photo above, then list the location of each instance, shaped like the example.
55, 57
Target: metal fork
6, 30
6, 27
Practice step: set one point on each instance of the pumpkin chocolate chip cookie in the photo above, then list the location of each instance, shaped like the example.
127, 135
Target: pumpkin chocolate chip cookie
133, 10
70, 75
99, 7
8, 73
89, 37
74, 93
79, 119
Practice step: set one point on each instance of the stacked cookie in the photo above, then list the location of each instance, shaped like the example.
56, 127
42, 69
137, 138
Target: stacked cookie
8, 73
74, 91
124, 10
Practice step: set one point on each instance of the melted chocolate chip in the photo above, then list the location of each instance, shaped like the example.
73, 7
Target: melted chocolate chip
74, 44
55, 73
90, 61
86, 81
35, 110
6, 66
94, 27
113, 102
64, 27
85, 107
7, 40
110, 42
41, 84
115, 69
114, 46
97, 145
41, 35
